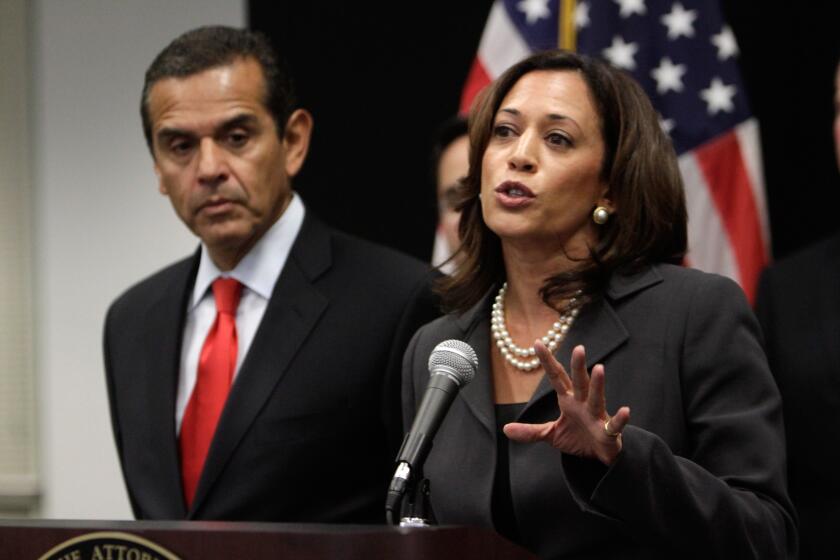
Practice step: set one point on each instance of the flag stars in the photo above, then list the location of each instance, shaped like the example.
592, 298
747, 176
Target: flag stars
725, 43
668, 76
630, 7
534, 10
718, 97
582, 15
679, 21
667, 125
620, 54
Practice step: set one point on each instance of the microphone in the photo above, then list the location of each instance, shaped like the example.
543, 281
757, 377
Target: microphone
452, 365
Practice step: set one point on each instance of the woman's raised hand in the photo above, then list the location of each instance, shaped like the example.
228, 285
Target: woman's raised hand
584, 428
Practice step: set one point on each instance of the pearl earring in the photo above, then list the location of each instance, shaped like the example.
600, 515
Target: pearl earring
600, 215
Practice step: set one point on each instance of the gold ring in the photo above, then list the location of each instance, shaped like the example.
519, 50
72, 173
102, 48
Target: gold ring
607, 429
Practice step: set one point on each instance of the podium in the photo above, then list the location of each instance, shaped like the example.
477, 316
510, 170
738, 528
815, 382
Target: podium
211, 540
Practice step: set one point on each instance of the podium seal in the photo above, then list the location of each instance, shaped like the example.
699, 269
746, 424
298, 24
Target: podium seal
108, 546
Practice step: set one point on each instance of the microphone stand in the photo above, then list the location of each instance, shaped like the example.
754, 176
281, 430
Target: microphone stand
416, 510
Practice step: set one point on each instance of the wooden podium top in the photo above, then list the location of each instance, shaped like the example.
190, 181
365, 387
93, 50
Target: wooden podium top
193, 540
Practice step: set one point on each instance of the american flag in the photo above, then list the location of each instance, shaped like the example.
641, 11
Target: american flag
684, 55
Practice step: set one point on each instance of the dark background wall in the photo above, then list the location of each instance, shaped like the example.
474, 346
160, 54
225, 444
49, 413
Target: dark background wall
379, 85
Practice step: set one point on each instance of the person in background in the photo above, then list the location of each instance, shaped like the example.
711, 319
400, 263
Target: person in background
257, 379
798, 306
643, 422
450, 163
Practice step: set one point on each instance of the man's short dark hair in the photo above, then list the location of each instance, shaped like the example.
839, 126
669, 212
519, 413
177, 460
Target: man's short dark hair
448, 131
213, 46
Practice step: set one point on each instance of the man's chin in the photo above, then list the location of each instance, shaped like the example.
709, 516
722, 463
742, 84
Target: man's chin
227, 237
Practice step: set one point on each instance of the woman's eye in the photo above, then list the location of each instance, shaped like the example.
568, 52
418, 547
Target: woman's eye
558, 139
502, 131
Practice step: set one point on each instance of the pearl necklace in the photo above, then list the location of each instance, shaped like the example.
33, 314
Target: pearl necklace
552, 339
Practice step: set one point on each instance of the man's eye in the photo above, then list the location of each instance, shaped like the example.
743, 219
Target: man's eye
180, 147
237, 139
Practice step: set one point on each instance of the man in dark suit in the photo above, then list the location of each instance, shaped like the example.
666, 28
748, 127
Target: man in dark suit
257, 379
798, 305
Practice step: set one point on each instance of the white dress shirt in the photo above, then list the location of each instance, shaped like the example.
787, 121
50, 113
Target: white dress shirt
257, 272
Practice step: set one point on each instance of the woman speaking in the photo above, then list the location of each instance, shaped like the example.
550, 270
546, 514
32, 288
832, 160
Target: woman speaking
643, 422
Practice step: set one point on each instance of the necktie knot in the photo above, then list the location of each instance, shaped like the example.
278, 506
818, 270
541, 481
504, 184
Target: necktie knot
227, 291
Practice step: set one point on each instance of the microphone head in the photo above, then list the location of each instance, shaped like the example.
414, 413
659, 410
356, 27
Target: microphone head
455, 359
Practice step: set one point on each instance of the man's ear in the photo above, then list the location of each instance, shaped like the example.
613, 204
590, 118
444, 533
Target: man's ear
296, 136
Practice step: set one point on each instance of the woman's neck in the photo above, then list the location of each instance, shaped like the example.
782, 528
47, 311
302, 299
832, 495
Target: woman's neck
526, 271
527, 267
526, 317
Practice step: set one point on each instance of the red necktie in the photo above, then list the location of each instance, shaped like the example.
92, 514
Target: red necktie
216, 365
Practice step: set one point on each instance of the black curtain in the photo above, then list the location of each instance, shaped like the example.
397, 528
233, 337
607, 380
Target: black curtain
379, 84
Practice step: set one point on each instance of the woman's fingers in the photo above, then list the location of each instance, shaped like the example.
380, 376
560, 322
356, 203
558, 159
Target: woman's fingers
596, 402
528, 433
583, 428
615, 425
553, 369
580, 380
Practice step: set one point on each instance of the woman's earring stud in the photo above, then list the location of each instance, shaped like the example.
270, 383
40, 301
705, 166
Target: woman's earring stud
600, 215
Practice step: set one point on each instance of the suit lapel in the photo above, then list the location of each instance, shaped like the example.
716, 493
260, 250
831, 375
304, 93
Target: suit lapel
293, 311
165, 321
478, 395
598, 327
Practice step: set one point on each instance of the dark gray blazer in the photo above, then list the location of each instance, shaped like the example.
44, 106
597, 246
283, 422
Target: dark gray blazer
702, 470
312, 423
798, 306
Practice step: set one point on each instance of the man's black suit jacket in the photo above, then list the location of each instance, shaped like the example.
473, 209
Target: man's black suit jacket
798, 306
312, 423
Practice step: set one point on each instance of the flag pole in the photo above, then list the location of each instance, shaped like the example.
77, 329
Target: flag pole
566, 32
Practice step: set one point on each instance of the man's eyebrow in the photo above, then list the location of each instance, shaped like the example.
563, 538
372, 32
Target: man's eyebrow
172, 132
243, 119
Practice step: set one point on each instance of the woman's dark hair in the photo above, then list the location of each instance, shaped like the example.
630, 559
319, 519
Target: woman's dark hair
209, 47
639, 167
